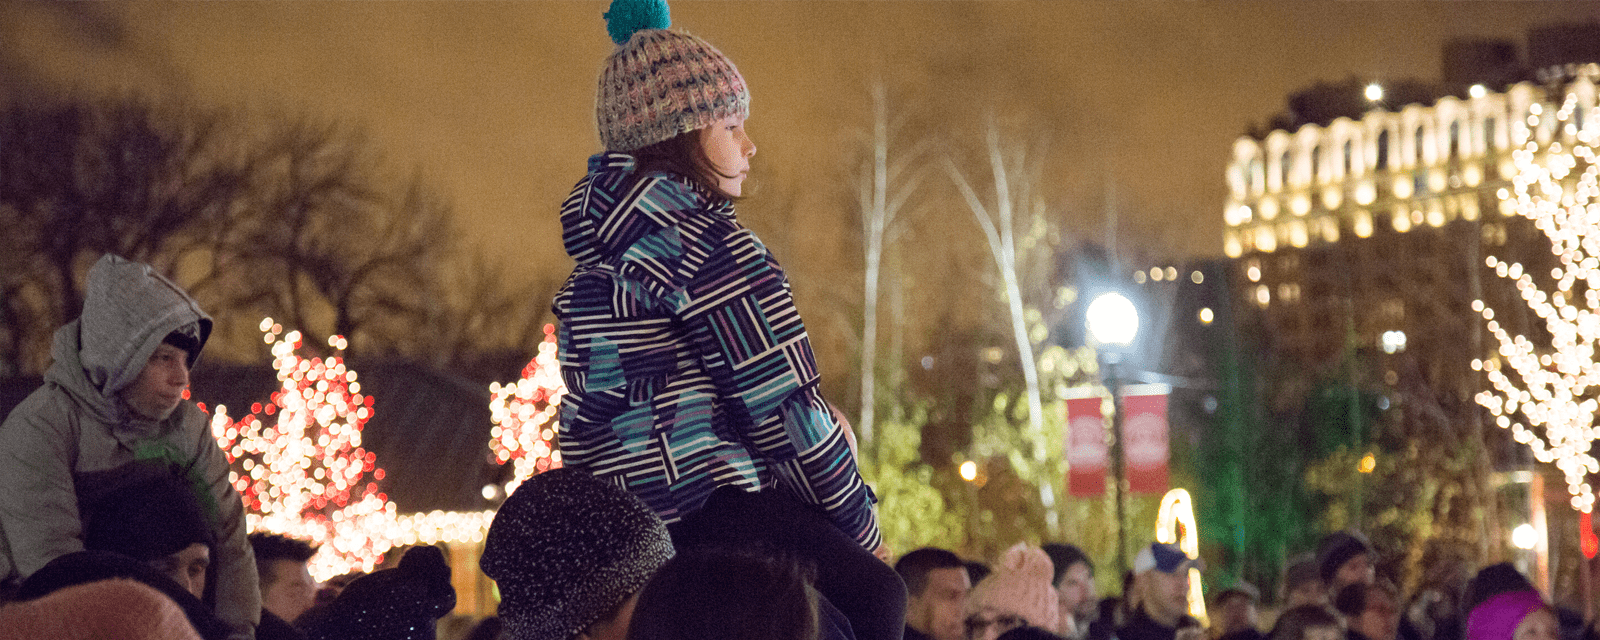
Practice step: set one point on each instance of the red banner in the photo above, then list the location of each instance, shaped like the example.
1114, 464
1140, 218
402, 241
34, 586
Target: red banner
1144, 432
1087, 456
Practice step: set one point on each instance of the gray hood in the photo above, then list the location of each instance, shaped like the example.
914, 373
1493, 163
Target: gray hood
127, 311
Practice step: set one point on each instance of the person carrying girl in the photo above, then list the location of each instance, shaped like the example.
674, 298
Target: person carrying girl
691, 379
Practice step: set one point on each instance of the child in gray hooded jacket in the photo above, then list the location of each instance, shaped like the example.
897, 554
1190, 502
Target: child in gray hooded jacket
114, 397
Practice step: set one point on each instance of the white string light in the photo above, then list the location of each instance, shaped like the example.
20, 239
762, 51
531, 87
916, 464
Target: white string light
524, 415
1546, 396
298, 463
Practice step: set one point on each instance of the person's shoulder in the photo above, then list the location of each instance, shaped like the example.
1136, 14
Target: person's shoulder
48, 408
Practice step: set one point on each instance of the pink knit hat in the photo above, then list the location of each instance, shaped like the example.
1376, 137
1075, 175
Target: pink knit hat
661, 83
1019, 585
116, 608
1497, 618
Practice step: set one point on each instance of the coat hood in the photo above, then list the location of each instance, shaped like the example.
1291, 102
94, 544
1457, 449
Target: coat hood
615, 206
127, 311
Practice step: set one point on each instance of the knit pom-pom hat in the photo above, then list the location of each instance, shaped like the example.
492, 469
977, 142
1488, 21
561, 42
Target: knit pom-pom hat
116, 608
660, 83
1019, 585
566, 549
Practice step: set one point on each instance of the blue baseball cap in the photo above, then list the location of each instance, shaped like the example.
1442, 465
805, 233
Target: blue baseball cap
1166, 558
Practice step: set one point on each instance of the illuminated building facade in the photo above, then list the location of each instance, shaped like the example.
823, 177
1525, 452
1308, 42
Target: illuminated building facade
1362, 252
1393, 210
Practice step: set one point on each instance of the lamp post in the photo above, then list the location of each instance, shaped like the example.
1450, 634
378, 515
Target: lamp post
1113, 323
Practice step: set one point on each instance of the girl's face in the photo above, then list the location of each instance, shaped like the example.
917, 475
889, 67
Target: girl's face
728, 148
1539, 625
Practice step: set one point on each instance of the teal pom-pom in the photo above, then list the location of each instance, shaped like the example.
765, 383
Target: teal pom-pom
628, 16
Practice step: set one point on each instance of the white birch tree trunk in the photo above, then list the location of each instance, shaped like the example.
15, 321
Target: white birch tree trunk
885, 187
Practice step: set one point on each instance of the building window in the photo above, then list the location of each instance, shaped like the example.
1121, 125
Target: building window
1488, 134
1349, 151
1455, 139
1283, 169
1316, 163
1383, 150
1257, 180
1417, 155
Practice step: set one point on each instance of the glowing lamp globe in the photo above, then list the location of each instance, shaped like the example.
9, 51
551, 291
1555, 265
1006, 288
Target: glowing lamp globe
1113, 320
1525, 537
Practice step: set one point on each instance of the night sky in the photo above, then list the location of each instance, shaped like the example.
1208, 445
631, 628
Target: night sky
493, 102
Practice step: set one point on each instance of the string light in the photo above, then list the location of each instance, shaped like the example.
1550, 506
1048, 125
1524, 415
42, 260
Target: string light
1546, 395
524, 415
298, 463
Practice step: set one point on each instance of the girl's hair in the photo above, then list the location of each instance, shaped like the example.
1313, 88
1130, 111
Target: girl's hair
725, 594
683, 155
1294, 623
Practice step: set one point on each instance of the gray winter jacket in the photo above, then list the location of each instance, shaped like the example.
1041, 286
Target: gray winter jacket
71, 437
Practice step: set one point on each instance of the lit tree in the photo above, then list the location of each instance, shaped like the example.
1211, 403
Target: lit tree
1546, 393
524, 415
298, 461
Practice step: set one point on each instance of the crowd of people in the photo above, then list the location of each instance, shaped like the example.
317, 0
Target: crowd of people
1334, 594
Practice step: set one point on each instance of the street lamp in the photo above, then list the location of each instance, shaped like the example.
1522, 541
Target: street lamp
1113, 323
1113, 320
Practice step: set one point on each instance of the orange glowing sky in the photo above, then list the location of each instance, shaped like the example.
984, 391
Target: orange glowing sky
493, 101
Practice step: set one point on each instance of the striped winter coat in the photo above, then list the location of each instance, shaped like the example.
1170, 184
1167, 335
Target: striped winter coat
686, 363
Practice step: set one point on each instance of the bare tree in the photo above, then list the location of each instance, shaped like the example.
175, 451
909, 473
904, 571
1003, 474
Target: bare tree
292, 218
79, 178
1014, 174
329, 243
477, 312
888, 180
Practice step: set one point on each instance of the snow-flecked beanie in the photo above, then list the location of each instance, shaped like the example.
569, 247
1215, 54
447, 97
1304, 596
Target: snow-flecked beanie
1497, 618
1020, 585
403, 603
660, 83
566, 549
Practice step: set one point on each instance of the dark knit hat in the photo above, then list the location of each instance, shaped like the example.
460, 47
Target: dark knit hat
1338, 548
661, 83
393, 604
1063, 556
152, 517
566, 549
1301, 570
1491, 581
